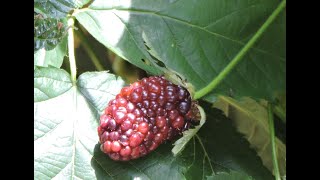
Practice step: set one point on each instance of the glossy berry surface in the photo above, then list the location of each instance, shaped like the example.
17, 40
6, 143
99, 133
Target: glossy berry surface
142, 116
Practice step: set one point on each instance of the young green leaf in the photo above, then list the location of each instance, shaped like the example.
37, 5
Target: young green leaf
251, 119
196, 45
48, 32
50, 82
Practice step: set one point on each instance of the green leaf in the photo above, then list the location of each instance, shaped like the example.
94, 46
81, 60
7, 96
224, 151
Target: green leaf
50, 82
227, 148
66, 142
232, 176
180, 144
49, 32
196, 39
99, 87
251, 119
109, 30
65, 134
53, 57
64, 137
58, 8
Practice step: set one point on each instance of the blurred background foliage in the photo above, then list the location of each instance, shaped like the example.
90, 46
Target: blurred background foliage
93, 56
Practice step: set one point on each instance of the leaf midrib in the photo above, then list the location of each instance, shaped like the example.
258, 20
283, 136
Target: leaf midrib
75, 101
180, 21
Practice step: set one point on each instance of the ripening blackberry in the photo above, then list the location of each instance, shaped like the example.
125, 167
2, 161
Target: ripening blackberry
142, 116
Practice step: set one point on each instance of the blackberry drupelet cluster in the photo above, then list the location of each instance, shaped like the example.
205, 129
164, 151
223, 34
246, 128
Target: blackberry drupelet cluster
142, 116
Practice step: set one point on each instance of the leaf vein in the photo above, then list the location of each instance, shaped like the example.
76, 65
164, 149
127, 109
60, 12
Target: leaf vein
177, 48
228, 14
49, 132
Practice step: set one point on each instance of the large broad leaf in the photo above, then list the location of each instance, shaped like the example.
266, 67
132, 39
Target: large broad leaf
251, 119
66, 142
196, 39
48, 32
65, 135
50, 82
58, 8
53, 57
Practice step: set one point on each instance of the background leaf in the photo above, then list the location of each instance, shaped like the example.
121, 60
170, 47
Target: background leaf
48, 32
108, 29
50, 82
251, 119
196, 39
66, 143
53, 57
232, 176
58, 8
227, 148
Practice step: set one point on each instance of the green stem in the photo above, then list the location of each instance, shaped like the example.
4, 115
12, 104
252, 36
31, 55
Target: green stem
88, 48
278, 110
72, 59
272, 136
213, 84
205, 153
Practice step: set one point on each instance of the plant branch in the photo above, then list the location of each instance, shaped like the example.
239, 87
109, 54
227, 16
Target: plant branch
205, 153
273, 145
72, 59
88, 48
216, 81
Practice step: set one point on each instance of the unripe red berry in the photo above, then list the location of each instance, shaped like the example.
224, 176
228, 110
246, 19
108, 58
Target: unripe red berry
142, 116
